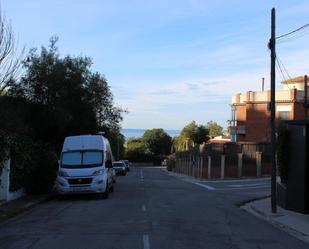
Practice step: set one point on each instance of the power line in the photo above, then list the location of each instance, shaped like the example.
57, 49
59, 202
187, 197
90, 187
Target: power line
293, 36
280, 69
292, 32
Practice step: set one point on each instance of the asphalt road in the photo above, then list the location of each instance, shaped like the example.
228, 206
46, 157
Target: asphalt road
150, 209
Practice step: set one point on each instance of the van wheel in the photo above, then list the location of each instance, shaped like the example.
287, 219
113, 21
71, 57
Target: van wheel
105, 194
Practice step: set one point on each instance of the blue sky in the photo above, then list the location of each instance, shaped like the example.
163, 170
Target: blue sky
169, 61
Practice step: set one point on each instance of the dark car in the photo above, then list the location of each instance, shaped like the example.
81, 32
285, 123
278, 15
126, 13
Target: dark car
120, 168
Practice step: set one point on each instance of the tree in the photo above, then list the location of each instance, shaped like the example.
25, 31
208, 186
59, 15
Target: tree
10, 61
214, 129
195, 133
157, 141
77, 101
179, 143
136, 150
117, 141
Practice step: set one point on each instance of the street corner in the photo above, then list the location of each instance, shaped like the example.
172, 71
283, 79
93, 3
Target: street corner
295, 224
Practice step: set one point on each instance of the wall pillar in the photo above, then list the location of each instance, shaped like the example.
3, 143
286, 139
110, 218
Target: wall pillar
222, 166
5, 181
240, 162
209, 167
201, 167
258, 164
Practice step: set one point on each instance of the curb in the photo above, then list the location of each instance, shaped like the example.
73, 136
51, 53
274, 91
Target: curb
217, 180
248, 207
10, 213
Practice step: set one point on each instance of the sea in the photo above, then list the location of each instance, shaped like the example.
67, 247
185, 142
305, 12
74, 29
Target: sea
136, 133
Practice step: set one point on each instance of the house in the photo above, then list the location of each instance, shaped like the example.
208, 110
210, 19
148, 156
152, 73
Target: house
251, 110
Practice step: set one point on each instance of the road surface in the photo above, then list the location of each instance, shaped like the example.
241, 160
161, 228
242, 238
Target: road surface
150, 209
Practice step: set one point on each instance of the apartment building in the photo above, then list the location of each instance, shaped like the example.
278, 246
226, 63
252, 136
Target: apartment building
251, 110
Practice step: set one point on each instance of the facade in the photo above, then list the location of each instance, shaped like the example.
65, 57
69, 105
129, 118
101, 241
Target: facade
251, 113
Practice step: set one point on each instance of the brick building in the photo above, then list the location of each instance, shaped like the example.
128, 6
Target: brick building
251, 114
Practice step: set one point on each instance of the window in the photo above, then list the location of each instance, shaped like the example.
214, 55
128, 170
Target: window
92, 157
81, 159
285, 115
72, 158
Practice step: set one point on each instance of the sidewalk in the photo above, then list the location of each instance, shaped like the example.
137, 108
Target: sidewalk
15, 207
296, 224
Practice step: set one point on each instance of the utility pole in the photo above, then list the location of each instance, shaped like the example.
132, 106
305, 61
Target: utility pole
306, 96
272, 47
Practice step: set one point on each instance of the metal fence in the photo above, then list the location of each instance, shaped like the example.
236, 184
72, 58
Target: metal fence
229, 160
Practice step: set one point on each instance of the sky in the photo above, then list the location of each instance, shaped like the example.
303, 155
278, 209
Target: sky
169, 62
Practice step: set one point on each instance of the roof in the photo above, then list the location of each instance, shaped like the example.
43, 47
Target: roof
298, 79
84, 142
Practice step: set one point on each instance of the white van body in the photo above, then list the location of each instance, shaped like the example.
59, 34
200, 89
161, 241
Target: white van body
85, 165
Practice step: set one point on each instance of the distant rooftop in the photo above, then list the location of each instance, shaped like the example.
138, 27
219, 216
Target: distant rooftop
298, 79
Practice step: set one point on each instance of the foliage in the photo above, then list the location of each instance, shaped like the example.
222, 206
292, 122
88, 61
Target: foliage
283, 152
179, 143
117, 141
76, 100
171, 163
157, 142
56, 97
10, 59
214, 129
136, 151
33, 164
195, 133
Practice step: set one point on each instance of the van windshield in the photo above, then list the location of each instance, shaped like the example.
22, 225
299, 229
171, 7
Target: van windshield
81, 159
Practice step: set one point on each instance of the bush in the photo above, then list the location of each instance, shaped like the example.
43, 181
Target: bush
33, 164
41, 176
171, 163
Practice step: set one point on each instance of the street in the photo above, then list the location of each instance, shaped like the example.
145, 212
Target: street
151, 209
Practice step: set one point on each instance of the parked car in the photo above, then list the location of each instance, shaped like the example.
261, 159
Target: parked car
120, 168
85, 166
127, 165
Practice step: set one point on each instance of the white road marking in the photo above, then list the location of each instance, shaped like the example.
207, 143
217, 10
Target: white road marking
144, 208
142, 176
146, 241
249, 187
246, 185
204, 186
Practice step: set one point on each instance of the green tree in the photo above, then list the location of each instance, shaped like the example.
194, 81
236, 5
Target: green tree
136, 150
117, 142
194, 133
157, 141
76, 100
179, 143
214, 129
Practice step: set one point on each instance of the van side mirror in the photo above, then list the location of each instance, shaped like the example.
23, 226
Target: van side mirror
109, 164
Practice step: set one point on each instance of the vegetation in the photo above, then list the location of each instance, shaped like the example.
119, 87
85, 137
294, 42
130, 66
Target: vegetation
153, 147
191, 135
214, 129
10, 60
55, 97
157, 142
136, 150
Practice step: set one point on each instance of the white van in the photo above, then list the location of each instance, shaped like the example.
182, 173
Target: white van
85, 166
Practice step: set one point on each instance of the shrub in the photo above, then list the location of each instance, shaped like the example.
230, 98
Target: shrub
33, 164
